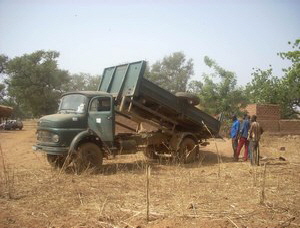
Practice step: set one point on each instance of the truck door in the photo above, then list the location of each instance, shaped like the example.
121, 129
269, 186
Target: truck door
102, 118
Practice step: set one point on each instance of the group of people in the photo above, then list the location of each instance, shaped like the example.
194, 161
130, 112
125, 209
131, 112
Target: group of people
247, 134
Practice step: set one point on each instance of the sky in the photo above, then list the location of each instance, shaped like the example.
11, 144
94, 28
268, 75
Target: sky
91, 35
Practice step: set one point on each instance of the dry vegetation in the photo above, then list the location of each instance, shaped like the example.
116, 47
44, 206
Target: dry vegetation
203, 194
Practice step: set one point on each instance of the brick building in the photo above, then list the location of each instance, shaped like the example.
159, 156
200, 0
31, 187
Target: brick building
269, 117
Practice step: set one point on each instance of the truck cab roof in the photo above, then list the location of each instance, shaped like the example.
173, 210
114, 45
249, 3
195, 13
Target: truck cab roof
88, 94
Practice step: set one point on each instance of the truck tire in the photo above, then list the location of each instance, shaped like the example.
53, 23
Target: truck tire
149, 152
88, 155
189, 97
188, 150
56, 161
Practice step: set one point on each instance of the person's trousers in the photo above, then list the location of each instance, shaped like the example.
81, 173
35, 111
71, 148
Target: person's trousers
254, 152
234, 146
243, 141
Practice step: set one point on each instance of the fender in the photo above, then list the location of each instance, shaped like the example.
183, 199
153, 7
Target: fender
78, 138
177, 139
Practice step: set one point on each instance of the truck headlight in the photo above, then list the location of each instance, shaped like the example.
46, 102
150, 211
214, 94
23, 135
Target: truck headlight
55, 138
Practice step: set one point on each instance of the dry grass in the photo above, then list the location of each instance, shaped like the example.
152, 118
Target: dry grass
192, 195
7, 177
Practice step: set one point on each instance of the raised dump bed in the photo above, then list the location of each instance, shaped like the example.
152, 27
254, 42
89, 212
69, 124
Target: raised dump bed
143, 101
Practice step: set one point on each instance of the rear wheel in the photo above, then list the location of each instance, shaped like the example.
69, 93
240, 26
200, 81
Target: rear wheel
188, 150
149, 152
56, 161
89, 155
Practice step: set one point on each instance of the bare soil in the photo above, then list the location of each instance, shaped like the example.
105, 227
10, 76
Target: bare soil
211, 192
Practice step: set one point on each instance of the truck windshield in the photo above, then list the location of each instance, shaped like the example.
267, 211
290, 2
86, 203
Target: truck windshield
73, 103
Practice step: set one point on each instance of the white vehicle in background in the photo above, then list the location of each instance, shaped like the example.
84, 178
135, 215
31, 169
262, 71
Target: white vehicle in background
12, 125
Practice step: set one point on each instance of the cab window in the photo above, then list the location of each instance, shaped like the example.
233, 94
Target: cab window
100, 104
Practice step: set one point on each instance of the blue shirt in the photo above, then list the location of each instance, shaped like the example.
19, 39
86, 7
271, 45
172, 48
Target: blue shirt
235, 129
245, 128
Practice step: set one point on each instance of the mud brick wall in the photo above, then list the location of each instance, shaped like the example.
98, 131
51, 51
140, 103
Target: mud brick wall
270, 125
289, 126
268, 116
264, 112
268, 112
251, 109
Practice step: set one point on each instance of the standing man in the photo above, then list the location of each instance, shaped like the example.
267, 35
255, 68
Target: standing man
243, 138
234, 135
254, 135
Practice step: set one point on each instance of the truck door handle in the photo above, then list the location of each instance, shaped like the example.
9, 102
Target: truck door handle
109, 117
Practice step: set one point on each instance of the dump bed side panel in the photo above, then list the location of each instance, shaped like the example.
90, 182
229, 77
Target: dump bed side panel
190, 116
197, 116
160, 95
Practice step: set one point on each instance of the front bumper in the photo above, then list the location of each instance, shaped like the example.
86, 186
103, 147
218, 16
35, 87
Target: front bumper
59, 150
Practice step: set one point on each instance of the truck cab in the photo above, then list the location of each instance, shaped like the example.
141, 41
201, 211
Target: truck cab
85, 117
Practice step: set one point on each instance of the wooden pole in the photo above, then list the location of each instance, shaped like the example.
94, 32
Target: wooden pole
262, 197
218, 154
148, 169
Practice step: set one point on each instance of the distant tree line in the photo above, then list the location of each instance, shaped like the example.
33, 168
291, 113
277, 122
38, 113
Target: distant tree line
219, 92
33, 83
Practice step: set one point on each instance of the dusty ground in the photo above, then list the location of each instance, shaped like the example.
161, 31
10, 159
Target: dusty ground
203, 194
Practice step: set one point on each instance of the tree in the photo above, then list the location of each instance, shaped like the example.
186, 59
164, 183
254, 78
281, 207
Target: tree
83, 82
264, 87
285, 91
35, 83
222, 96
195, 87
2, 92
3, 63
172, 73
291, 81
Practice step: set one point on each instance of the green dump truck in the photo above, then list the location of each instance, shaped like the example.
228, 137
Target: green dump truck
83, 129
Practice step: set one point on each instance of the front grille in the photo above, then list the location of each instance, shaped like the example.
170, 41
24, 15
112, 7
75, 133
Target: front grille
44, 136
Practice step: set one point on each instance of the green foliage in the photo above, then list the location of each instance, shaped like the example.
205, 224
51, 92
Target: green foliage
83, 82
291, 82
172, 73
3, 62
195, 87
2, 92
265, 88
219, 92
35, 83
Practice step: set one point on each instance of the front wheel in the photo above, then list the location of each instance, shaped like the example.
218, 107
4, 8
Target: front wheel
56, 161
89, 155
188, 150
